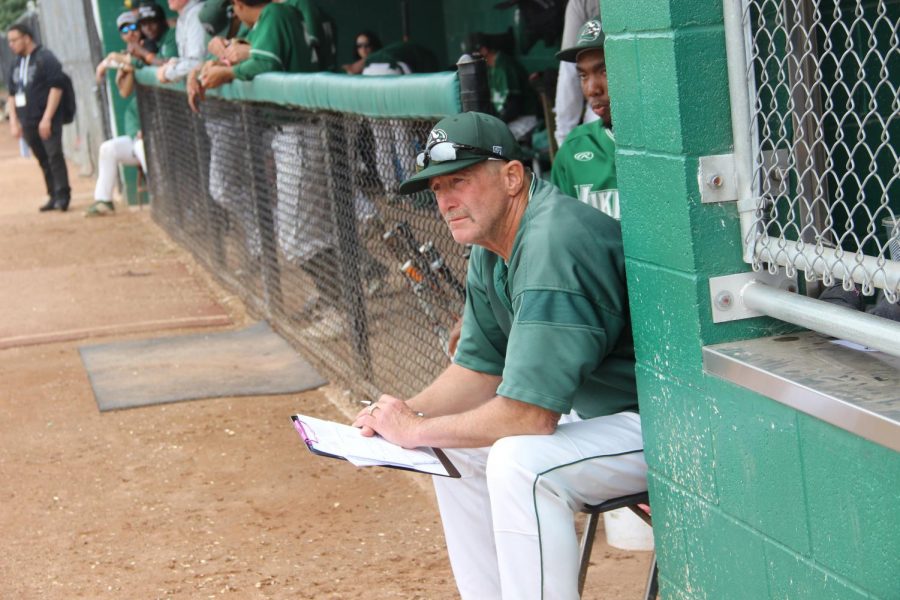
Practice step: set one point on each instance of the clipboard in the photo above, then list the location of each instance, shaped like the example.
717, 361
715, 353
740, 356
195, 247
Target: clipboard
344, 442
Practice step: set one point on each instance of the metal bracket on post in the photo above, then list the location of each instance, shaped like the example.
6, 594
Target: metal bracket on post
725, 293
716, 179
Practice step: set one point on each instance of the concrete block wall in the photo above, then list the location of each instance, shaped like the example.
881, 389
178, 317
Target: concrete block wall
751, 499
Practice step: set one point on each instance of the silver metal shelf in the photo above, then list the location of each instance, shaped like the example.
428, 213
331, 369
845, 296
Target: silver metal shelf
855, 390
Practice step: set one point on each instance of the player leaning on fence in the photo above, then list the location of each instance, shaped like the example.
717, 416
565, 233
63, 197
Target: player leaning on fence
190, 37
540, 403
276, 44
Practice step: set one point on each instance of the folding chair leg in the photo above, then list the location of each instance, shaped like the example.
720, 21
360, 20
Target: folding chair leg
652, 590
587, 544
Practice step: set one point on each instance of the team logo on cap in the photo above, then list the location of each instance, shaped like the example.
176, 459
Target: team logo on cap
584, 156
436, 137
590, 32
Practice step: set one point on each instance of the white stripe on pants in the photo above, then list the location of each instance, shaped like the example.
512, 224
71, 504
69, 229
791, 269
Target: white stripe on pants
509, 521
122, 149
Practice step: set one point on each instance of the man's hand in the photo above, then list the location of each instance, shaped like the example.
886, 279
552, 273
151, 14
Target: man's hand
217, 47
14, 128
390, 418
237, 52
215, 76
195, 91
161, 71
45, 127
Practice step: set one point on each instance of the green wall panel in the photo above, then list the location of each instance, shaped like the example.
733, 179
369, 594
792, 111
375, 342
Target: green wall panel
654, 87
624, 68
652, 189
758, 465
664, 309
854, 506
676, 425
426, 24
671, 508
650, 15
793, 578
704, 106
466, 16
704, 552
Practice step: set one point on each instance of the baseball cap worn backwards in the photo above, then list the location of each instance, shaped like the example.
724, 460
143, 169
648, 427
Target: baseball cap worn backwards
591, 37
458, 142
126, 18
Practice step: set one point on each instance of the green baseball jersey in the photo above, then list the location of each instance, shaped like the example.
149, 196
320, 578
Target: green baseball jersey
276, 44
553, 321
131, 121
318, 31
585, 167
168, 46
507, 78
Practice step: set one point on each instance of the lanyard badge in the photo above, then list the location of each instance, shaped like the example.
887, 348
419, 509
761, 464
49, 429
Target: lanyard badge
21, 100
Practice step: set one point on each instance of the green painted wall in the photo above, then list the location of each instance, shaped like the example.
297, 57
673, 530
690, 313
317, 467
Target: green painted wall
426, 23
466, 16
751, 499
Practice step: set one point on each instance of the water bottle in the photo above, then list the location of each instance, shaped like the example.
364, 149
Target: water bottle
24, 150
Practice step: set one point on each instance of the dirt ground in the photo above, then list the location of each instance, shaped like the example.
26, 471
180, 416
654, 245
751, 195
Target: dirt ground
203, 499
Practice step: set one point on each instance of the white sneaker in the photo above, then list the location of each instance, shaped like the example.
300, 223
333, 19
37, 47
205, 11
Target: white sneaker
330, 325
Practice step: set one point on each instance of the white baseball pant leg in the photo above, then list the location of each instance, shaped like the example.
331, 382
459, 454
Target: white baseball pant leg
141, 155
112, 152
509, 521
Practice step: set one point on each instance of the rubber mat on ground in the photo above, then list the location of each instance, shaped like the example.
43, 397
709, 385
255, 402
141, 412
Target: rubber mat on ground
253, 361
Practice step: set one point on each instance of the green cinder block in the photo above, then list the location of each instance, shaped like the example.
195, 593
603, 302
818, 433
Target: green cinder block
793, 578
669, 91
623, 67
704, 104
657, 79
668, 590
655, 215
677, 438
639, 15
854, 506
649, 15
701, 550
759, 474
731, 563
665, 311
672, 510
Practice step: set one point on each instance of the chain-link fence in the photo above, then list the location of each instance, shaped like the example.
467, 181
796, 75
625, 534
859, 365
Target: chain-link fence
825, 125
298, 212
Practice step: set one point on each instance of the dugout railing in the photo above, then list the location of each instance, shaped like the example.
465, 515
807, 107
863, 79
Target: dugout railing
286, 190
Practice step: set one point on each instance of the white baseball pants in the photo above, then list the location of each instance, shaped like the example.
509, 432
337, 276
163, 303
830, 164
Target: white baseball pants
509, 521
122, 149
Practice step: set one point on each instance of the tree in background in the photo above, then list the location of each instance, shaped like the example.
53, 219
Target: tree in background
10, 10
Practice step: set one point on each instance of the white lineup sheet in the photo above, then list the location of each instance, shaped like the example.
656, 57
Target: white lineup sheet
348, 442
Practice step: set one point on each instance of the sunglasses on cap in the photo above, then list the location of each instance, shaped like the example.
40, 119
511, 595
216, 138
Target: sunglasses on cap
447, 152
128, 28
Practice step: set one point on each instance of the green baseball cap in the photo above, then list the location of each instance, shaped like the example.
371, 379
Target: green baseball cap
475, 136
216, 16
591, 37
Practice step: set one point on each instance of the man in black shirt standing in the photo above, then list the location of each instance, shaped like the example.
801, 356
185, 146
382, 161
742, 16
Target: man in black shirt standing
35, 90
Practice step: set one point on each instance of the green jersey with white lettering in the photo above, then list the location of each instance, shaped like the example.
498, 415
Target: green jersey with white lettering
585, 167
